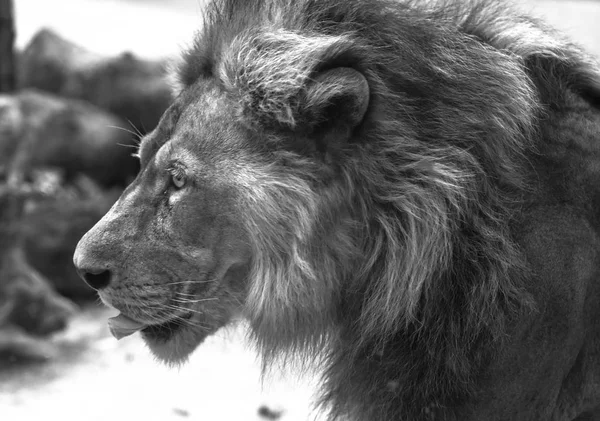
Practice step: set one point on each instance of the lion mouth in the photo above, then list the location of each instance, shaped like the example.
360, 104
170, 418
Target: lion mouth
122, 326
164, 331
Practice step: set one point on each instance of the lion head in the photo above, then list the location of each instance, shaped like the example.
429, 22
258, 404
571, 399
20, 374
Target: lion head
343, 176
183, 270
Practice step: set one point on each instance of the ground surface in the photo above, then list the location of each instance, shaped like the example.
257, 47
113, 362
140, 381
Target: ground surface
98, 378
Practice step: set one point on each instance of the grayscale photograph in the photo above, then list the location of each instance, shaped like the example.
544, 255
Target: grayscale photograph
300, 210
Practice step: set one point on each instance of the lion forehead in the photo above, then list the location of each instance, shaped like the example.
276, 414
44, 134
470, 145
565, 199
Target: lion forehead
213, 143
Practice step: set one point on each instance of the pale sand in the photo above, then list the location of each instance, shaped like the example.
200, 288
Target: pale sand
97, 377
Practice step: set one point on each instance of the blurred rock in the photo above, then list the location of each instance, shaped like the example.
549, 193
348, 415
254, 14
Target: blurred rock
64, 161
68, 152
53, 226
29, 307
16, 345
28, 300
135, 90
47, 131
48, 60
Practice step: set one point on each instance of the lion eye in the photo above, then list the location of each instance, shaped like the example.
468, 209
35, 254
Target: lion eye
178, 179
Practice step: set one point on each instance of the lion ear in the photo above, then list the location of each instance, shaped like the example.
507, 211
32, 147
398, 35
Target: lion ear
336, 101
553, 72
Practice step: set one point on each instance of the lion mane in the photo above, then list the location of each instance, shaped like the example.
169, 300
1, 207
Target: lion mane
394, 257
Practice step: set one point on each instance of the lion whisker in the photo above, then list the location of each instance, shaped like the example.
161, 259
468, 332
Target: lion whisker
148, 315
173, 317
182, 309
189, 301
185, 294
175, 283
137, 135
184, 321
187, 322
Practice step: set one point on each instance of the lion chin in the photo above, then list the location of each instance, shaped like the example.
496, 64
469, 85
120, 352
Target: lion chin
173, 346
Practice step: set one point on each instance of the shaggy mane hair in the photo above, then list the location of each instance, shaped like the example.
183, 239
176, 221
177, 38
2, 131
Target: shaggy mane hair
388, 253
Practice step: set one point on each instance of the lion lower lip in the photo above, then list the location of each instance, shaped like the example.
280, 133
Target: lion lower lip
165, 331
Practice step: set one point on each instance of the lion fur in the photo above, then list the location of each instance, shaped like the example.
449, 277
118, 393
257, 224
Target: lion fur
395, 262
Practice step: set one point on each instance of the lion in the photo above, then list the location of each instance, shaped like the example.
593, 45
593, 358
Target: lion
403, 193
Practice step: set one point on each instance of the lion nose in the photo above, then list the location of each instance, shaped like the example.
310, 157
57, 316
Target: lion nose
92, 264
95, 278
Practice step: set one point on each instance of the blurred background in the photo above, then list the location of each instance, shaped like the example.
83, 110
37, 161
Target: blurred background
86, 79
